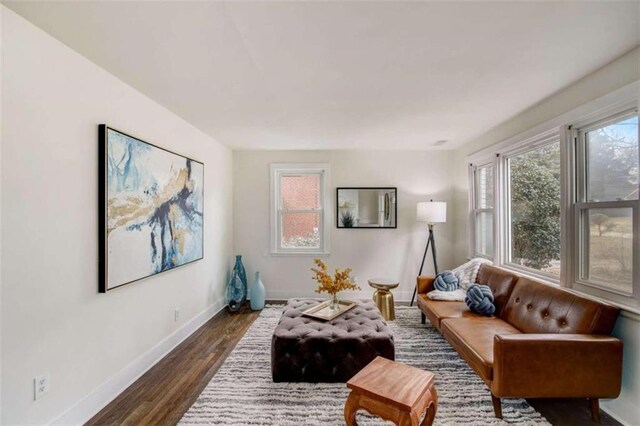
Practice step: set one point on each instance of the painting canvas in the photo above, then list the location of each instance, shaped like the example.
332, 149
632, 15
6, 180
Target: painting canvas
151, 209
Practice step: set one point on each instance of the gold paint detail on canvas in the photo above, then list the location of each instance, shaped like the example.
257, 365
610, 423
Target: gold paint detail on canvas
134, 208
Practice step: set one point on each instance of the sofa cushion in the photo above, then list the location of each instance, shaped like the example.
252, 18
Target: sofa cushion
437, 310
501, 283
535, 307
472, 338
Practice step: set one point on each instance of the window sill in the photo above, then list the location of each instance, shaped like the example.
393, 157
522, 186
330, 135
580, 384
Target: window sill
525, 272
626, 310
628, 305
299, 254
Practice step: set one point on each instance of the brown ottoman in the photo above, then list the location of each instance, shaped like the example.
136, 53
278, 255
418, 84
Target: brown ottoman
304, 349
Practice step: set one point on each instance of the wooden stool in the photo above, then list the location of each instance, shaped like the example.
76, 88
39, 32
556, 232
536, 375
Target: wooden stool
393, 391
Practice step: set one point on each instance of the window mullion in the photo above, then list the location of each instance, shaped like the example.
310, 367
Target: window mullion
636, 250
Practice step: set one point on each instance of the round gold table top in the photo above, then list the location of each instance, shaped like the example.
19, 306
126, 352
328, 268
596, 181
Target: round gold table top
383, 283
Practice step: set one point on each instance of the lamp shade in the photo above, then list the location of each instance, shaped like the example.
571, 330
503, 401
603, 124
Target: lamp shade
432, 212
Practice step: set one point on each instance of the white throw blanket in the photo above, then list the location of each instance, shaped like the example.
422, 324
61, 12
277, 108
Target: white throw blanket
466, 274
450, 296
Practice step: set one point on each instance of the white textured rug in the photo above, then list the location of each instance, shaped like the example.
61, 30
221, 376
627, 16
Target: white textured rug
242, 392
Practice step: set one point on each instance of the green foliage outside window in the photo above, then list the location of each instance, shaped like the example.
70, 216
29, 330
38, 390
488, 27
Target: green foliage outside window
535, 207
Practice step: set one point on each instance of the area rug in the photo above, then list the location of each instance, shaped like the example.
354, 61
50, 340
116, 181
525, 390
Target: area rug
242, 392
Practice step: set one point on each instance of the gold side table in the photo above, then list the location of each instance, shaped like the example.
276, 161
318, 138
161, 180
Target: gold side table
383, 296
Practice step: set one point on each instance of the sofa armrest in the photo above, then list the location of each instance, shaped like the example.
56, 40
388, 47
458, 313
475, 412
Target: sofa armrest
425, 284
556, 366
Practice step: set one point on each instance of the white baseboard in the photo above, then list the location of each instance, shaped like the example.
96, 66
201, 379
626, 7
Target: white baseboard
628, 409
108, 391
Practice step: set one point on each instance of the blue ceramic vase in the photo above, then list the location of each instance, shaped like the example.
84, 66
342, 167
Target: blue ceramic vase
236, 293
242, 274
257, 294
237, 288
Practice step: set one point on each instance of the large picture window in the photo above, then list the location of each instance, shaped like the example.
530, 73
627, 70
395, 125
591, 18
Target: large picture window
606, 206
298, 208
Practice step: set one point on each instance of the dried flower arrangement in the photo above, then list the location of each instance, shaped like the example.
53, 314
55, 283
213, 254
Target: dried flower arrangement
332, 285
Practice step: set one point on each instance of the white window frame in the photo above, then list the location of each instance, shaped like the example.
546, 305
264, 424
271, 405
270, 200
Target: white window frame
562, 126
276, 171
576, 132
475, 209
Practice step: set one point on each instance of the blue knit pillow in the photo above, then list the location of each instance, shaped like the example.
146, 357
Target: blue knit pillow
446, 281
480, 299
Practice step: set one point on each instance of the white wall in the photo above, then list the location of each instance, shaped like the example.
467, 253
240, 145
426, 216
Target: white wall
615, 75
396, 253
1, 50
53, 319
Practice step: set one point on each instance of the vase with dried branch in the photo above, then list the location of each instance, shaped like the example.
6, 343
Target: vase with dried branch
340, 281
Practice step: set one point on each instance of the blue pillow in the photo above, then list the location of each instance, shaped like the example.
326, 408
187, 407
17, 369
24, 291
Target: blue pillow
480, 300
446, 281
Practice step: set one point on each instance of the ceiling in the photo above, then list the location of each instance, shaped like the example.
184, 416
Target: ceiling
343, 75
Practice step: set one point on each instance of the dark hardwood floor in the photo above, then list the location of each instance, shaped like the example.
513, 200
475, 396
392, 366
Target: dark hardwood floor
164, 393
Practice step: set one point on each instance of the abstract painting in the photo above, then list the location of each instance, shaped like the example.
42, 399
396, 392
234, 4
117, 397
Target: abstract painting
151, 209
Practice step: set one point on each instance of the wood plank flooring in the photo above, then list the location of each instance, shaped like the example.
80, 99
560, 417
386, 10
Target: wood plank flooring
163, 394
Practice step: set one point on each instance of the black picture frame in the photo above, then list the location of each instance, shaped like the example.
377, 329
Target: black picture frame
380, 188
103, 193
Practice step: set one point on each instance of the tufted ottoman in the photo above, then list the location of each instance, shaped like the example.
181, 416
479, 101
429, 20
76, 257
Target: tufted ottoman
304, 349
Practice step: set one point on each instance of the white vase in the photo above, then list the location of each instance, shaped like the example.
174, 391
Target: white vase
258, 294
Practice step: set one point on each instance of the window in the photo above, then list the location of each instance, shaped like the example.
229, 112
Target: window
561, 202
606, 203
298, 208
483, 203
532, 204
563, 205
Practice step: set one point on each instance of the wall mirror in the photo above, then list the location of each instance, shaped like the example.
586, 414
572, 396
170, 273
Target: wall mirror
366, 207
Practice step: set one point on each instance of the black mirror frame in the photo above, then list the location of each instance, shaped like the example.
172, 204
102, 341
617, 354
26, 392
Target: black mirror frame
395, 210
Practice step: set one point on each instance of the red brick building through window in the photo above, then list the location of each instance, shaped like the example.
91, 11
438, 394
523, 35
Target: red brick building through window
300, 201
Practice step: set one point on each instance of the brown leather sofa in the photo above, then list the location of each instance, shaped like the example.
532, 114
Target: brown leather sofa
543, 342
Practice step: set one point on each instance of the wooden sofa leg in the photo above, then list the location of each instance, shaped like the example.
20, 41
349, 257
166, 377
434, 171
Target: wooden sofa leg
423, 318
497, 406
594, 405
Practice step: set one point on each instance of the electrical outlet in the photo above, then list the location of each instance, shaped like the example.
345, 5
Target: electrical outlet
41, 385
176, 314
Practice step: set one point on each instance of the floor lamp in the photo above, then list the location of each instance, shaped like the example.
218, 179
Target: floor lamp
431, 212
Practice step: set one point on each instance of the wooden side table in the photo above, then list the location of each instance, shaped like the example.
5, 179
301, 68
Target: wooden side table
383, 296
393, 391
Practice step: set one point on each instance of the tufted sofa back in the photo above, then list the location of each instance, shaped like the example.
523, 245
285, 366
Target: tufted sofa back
501, 283
535, 307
